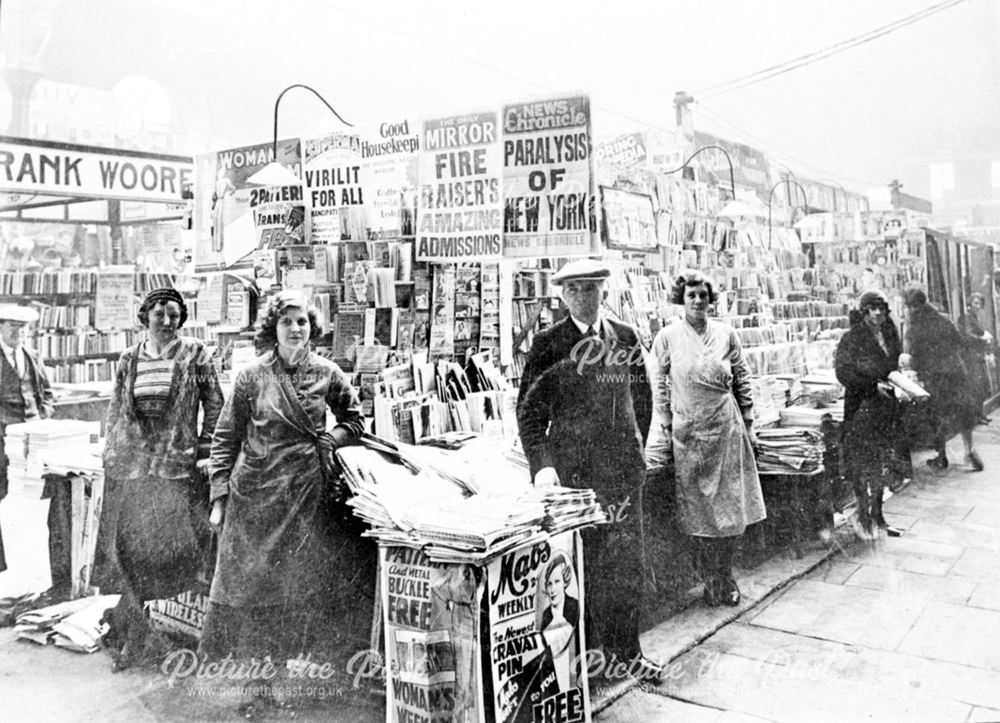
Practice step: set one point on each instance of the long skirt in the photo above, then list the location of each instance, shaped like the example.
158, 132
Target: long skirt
153, 539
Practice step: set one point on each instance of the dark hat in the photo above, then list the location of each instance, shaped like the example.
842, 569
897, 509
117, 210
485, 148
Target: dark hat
13, 312
873, 297
582, 270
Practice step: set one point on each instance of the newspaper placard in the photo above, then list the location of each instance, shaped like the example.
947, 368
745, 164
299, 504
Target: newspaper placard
460, 213
184, 613
536, 637
432, 655
234, 218
333, 188
114, 302
389, 177
548, 183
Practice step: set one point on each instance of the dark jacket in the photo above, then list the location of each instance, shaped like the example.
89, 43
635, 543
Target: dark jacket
595, 401
860, 363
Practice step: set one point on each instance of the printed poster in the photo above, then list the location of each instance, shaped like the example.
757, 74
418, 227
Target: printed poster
548, 183
460, 211
389, 177
536, 633
334, 193
432, 655
114, 302
234, 218
442, 343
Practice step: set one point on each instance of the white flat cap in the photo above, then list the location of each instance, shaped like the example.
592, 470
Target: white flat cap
582, 270
13, 312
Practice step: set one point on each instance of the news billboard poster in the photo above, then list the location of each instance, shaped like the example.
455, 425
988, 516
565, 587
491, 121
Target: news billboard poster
432, 655
548, 180
233, 217
536, 633
460, 208
334, 193
389, 177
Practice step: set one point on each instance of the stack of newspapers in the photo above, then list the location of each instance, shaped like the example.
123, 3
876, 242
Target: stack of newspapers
28, 444
789, 449
74, 624
456, 505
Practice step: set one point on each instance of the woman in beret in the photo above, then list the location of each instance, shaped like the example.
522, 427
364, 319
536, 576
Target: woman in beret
154, 536
865, 357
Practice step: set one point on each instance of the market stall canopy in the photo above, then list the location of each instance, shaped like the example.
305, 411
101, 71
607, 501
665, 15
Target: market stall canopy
51, 181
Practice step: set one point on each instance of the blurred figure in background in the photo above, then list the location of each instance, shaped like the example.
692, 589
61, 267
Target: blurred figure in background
936, 348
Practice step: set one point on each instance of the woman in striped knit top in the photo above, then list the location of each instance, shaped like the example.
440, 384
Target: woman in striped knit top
154, 535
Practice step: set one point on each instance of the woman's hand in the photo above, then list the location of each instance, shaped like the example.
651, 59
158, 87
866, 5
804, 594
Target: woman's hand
218, 515
885, 390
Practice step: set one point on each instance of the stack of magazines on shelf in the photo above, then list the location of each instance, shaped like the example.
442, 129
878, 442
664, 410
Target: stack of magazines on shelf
789, 449
458, 505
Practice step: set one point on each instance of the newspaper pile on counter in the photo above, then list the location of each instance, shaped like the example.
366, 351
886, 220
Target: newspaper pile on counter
29, 444
803, 416
789, 449
75, 624
462, 505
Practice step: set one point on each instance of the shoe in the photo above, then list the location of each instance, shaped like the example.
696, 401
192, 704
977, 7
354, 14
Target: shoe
973, 460
731, 593
983, 420
940, 462
712, 594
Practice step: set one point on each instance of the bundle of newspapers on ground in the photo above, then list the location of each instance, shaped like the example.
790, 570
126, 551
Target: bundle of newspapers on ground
789, 449
458, 505
74, 624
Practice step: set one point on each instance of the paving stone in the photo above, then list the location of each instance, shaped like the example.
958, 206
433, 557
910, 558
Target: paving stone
960, 634
983, 565
986, 595
985, 514
834, 571
778, 692
910, 555
642, 706
962, 533
984, 715
925, 587
848, 615
803, 657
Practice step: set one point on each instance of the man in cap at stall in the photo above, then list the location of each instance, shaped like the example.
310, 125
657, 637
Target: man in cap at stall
24, 388
583, 411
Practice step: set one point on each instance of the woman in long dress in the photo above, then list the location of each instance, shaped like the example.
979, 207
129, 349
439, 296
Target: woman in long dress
289, 581
154, 537
704, 408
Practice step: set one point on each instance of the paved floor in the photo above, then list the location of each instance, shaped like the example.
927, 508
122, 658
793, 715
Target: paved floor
906, 629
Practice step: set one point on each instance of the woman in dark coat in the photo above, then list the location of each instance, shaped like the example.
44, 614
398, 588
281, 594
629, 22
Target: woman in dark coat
978, 342
865, 357
154, 537
936, 347
288, 581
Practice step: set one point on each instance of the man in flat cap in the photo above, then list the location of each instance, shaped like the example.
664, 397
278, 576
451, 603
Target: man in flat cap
583, 413
24, 388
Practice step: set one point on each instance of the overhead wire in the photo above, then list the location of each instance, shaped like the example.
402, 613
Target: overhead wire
801, 61
653, 125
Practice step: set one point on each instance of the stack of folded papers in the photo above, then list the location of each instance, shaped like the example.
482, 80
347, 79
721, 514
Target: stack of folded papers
789, 449
74, 624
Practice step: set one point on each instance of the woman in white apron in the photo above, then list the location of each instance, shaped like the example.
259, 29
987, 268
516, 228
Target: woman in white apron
703, 424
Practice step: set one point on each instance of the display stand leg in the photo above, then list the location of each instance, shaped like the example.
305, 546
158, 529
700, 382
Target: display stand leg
76, 544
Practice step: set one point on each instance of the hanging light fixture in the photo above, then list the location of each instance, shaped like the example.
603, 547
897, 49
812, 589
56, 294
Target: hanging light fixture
275, 174
770, 196
729, 160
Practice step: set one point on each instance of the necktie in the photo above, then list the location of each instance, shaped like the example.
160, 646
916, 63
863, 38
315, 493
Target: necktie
591, 331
